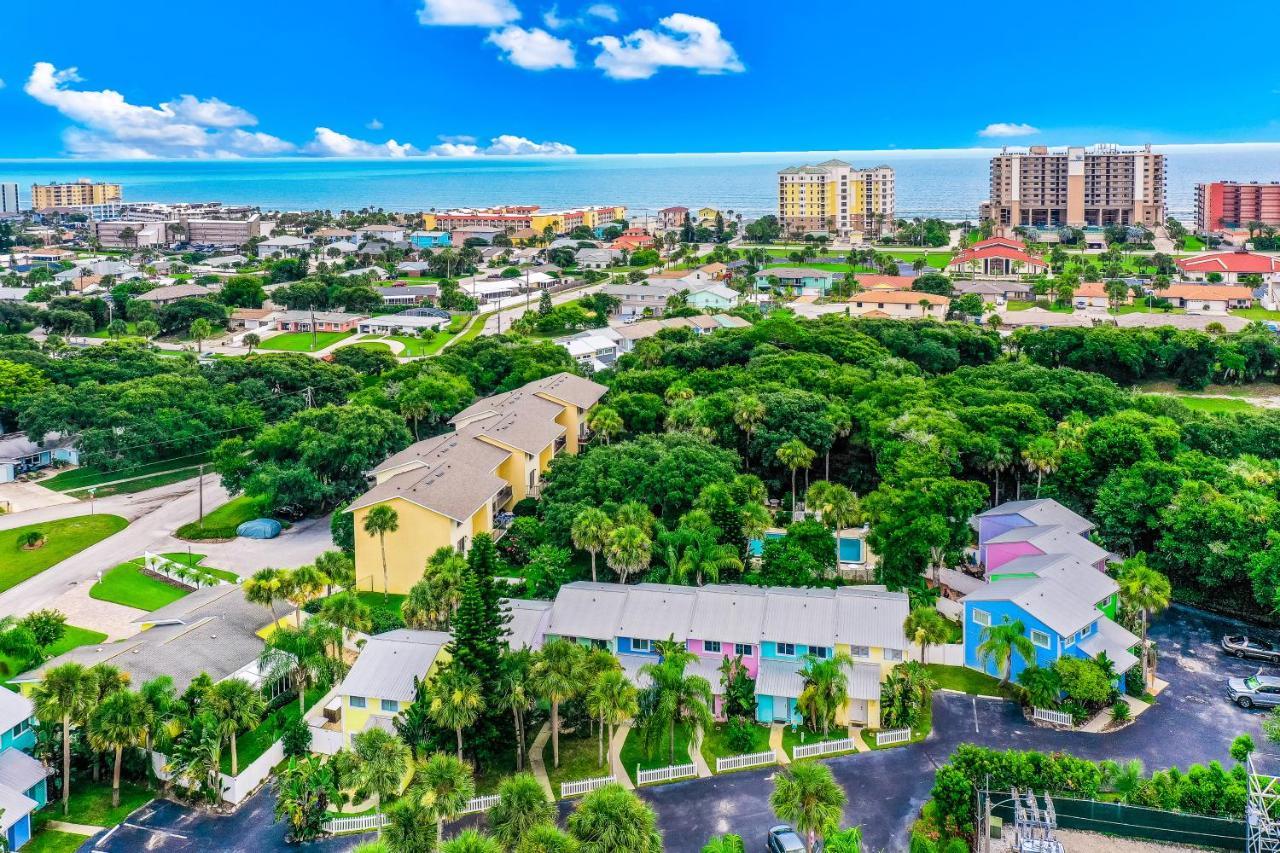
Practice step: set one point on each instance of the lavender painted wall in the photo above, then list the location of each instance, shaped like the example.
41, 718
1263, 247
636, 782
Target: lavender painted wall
993, 526
1000, 553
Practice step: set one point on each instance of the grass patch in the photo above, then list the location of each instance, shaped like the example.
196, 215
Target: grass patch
473, 332
251, 744
302, 341
715, 744
579, 759
803, 736
1023, 305
1142, 308
139, 484
91, 804
223, 521
1216, 405
656, 752
1253, 389
54, 841
918, 732
377, 601
72, 638
965, 680
1192, 243
128, 584
1255, 313
64, 537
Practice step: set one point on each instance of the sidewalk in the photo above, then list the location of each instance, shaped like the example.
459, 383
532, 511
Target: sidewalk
615, 756
695, 755
775, 743
536, 765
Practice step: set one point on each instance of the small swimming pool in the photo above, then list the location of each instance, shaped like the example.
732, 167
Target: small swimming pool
850, 549
756, 546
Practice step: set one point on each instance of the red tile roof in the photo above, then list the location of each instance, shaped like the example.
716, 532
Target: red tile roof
1212, 292
1233, 262
884, 282
995, 251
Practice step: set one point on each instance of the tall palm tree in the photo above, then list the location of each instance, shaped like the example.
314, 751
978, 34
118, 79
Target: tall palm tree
836, 505
554, 677
301, 656
680, 698
702, 558
382, 762
590, 532
265, 587
107, 679
455, 701
444, 786
515, 694
841, 426
612, 819
409, 828
927, 627
1144, 589
348, 612
162, 726
628, 550
794, 455
1042, 456
826, 689
806, 795
522, 805
379, 521
612, 700
605, 422
748, 412
237, 707
120, 721
728, 843
1001, 643
301, 585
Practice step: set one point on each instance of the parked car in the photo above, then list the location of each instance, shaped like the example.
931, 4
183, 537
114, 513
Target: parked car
1243, 646
784, 839
1256, 691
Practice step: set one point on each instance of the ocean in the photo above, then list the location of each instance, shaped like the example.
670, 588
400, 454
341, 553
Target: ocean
947, 184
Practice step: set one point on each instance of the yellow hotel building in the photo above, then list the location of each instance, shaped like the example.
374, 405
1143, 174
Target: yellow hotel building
835, 198
448, 489
79, 193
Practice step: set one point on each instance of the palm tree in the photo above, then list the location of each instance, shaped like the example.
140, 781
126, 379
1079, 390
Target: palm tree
844, 841
841, 426
590, 532
612, 819
379, 521
251, 340
161, 700
611, 700
515, 695
837, 506
548, 839
679, 698
120, 721
445, 785
826, 687
748, 412
1144, 589
806, 795
606, 422
728, 843
455, 701
383, 761
265, 587
703, 558
522, 805
409, 828
628, 550
300, 586
201, 329
795, 455
554, 677
471, 841
236, 706
925, 305
1042, 456
1001, 643
301, 656
927, 627
348, 612
65, 696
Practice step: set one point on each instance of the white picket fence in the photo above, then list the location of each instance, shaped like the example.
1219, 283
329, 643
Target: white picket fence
573, 789
665, 774
480, 804
196, 577
888, 737
747, 759
826, 747
1057, 718
362, 823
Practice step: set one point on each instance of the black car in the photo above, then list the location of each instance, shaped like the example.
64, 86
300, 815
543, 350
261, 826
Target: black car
784, 839
1242, 646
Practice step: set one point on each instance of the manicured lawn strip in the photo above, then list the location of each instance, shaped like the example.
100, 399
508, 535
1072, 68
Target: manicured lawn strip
965, 680
369, 345
53, 841
473, 332
1192, 243
377, 601
251, 744
1023, 305
657, 753
301, 341
1142, 308
715, 745
1256, 314
579, 756
91, 804
64, 537
1253, 389
138, 484
1216, 405
222, 522
129, 585
918, 733
802, 736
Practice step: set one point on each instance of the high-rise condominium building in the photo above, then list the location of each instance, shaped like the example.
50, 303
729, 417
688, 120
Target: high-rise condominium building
8, 198
1076, 187
81, 192
835, 198
1231, 206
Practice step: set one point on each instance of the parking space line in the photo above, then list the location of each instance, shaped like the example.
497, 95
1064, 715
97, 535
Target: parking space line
975, 716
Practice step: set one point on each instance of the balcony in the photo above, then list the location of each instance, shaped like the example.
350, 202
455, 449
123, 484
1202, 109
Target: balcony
559, 444
502, 499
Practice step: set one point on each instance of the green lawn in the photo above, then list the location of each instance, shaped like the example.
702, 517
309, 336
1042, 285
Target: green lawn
801, 736
369, 345
476, 328
918, 732
966, 680
130, 329
1216, 405
414, 347
715, 745
193, 560
251, 744
579, 756
63, 538
815, 266
139, 484
1143, 308
377, 601
1023, 305
222, 522
74, 637
128, 584
81, 478
52, 841
301, 341
1192, 243
1256, 314
657, 752
91, 804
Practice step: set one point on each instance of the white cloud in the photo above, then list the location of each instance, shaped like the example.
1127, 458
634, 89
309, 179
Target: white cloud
1004, 128
106, 125
681, 41
374, 124
534, 49
467, 13
330, 143
552, 18
603, 10
518, 145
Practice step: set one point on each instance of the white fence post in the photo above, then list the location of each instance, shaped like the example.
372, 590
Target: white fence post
748, 759
480, 804
572, 789
825, 747
892, 736
1057, 718
361, 823
665, 774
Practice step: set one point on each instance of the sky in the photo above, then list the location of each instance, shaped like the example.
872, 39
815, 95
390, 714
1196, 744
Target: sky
471, 78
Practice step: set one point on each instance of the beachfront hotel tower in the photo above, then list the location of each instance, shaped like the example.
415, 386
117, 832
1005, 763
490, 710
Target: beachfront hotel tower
835, 198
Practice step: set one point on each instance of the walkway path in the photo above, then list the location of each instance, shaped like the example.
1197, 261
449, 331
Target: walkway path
775, 743
536, 765
615, 756
76, 828
695, 754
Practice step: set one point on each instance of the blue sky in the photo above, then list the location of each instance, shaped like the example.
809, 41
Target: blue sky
378, 78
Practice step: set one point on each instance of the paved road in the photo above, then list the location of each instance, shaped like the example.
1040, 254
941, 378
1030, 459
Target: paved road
513, 307
1191, 723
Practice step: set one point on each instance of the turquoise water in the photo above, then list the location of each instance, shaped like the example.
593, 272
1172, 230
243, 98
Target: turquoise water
945, 184
850, 549
756, 546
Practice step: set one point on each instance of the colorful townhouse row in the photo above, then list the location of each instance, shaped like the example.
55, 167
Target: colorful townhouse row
450, 488
22, 778
1043, 572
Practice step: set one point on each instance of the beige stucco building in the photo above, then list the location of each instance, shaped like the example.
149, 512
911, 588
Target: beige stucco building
81, 192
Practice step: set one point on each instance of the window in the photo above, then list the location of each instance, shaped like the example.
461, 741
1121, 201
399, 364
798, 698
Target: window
1086, 631
641, 645
1040, 638
391, 705
711, 646
893, 654
860, 651
1068, 641
786, 649
745, 649
820, 652
356, 701
981, 617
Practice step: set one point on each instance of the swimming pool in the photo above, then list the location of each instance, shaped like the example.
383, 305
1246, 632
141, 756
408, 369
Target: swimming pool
850, 549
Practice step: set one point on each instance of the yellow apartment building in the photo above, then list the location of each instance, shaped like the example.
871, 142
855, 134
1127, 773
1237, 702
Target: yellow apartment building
80, 192
835, 198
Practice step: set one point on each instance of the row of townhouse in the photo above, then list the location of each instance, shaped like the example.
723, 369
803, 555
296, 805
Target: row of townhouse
450, 488
1042, 571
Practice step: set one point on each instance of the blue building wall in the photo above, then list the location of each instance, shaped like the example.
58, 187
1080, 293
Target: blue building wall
20, 833
771, 709
1000, 613
430, 242
769, 651
21, 736
626, 646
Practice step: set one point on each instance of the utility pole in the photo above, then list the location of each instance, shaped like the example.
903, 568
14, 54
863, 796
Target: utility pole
200, 490
310, 399
312, 308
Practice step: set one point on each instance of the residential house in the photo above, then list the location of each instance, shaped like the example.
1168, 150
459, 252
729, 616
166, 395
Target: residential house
994, 291
248, 319
174, 293
283, 246
597, 259
340, 248
333, 235
400, 324
1230, 266
598, 351
1093, 294
712, 297
996, 258
484, 234
319, 321
390, 233
707, 216
380, 684
22, 778
449, 488
1040, 539
372, 272
225, 261
410, 295
901, 304
641, 299
1208, 298
430, 239
413, 269
884, 282
672, 218
795, 280
633, 239
20, 455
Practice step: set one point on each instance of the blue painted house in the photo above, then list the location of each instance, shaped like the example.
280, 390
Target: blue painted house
22, 778
430, 239
795, 280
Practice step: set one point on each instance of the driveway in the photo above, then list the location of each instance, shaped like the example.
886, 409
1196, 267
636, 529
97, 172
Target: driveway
1192, 722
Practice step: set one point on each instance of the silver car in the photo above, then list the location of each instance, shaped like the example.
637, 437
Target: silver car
1255, 691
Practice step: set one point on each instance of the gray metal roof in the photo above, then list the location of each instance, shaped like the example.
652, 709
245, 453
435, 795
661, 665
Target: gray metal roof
389, 662
1116, 641
1052, 539
799, 616
871, 617
454, 490
20, 771
173, 291
1043, 511
1082, 578
864, 681
14, 708
729, 613
586, 609
1043, 598
780, 678
657, 611
14, 806
528, 622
